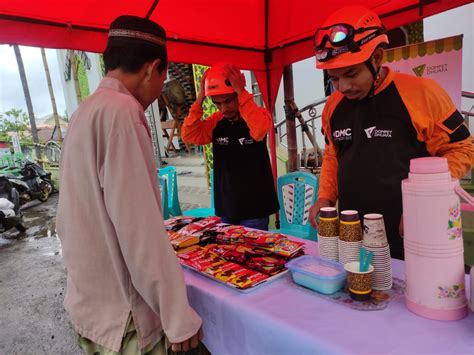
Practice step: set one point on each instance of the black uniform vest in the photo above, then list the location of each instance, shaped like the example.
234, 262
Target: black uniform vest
375, 140
243, 181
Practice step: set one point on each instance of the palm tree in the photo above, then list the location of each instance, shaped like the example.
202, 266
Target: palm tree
29, 104
51, 95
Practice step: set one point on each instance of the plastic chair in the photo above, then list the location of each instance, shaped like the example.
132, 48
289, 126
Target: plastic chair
164, 197
297, 192
204, 211
169, 174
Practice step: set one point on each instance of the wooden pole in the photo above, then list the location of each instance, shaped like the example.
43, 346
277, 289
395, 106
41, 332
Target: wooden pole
290, 118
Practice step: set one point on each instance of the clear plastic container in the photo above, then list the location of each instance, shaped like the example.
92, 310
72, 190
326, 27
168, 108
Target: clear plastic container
318, 274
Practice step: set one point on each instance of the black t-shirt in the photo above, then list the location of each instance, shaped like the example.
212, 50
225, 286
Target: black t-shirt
243, 181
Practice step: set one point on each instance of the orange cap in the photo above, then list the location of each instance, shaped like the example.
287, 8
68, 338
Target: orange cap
216, 82
357, 17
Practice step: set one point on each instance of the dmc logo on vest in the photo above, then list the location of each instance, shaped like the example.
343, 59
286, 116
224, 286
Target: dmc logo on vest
222, 140
342, 134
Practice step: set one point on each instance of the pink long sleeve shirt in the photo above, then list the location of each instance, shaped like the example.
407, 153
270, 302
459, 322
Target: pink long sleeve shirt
109, 220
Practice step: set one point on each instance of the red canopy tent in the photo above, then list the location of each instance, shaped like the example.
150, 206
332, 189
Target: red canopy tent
259, 35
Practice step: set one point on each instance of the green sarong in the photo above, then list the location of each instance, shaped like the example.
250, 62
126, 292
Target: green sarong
129, 344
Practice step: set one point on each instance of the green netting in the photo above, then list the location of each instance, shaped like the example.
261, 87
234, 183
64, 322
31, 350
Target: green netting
208, 108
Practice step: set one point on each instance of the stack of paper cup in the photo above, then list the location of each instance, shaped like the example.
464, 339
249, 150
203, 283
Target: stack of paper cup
350, 237
375, 240
328, 232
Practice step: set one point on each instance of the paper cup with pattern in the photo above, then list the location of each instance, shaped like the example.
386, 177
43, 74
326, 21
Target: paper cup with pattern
374, 231
359, 283
350, 229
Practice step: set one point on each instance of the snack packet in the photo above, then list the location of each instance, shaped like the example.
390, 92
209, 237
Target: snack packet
286, 248
184, 241
267, 264
249, 279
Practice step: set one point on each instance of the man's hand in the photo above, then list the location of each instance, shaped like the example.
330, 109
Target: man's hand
236, 78
188, 344
314, 210
202, 90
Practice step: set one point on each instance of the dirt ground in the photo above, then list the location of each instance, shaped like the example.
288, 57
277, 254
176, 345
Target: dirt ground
32, 284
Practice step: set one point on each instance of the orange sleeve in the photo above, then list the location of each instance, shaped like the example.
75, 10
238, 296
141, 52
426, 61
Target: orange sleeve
258, 119
437, 122
197, 131
328, 178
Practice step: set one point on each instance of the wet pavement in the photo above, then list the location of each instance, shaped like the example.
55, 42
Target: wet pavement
32, 284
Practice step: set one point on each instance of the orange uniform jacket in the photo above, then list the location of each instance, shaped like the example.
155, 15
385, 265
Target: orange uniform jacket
428, 106
369, 145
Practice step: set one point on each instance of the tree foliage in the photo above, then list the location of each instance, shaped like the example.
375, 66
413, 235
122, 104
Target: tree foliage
14, 121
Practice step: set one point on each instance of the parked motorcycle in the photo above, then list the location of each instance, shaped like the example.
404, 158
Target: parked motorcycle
33, 183
10, 215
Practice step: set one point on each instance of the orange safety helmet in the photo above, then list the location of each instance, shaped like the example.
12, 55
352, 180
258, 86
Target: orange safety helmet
216, 82
348, 37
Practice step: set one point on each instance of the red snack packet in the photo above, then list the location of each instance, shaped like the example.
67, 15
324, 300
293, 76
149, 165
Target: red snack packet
263, 239
220, 249
215, 268
220, 227
202, 264
187, 253
184, 241
229, 266
267, 265
173, 235
176, 220
286, 247
229, 273
201, 225
236, 233
223, 238
250, 278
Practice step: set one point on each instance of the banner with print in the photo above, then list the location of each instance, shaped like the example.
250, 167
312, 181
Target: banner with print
440, 60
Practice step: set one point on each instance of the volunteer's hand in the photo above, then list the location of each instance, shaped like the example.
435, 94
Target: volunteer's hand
189, 344
400, 227
202, 92
236, 78
314, 210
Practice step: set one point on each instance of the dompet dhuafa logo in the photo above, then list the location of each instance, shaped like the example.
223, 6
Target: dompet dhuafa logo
419, 70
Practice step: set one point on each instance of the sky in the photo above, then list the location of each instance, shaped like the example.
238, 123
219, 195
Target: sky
11, 91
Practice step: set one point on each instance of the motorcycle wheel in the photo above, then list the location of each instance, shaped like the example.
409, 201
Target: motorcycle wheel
45, 191
50, 186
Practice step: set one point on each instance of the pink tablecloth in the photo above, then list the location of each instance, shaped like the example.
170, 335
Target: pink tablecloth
282, 319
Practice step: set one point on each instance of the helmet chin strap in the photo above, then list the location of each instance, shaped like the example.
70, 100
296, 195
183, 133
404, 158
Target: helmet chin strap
375, 74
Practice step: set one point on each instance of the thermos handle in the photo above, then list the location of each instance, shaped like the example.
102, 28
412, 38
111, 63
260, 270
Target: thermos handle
469, 206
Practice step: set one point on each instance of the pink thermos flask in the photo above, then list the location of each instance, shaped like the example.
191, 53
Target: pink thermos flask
434, 251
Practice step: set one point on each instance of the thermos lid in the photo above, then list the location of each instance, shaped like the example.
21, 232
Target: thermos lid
429, 165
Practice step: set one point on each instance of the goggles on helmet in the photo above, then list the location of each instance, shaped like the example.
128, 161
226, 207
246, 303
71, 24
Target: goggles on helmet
341, 37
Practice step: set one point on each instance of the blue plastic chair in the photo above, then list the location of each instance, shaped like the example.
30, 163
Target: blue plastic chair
297, 192
204, 212
164, 197
169, 174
